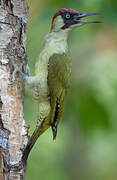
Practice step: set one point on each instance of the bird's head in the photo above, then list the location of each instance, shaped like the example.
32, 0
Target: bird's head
67, 19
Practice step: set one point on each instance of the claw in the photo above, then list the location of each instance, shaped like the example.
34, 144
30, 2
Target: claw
27, 70
16, 69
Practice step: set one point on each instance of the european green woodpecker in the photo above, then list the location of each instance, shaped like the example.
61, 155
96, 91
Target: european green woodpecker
53, 70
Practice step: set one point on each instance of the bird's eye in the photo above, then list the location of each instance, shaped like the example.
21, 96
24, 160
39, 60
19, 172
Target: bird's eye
67, 16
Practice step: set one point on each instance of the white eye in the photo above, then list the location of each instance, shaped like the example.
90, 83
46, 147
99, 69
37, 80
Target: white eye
67, 16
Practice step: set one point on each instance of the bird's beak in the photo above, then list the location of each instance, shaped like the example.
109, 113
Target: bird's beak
78, 21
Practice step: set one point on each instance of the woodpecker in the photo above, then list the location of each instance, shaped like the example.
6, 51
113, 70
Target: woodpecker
52, 71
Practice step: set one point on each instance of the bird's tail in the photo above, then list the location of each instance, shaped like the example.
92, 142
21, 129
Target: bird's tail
38, 131
52, 120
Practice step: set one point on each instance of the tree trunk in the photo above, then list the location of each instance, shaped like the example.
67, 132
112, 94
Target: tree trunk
13, 129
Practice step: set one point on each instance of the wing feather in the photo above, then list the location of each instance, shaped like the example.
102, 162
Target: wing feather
59, 72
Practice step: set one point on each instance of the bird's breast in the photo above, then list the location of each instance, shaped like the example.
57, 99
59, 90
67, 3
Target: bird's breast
41, 67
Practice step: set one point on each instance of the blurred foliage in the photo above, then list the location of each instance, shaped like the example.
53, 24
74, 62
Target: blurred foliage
86, 144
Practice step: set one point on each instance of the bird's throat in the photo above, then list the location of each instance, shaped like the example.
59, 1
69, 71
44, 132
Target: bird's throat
56, 42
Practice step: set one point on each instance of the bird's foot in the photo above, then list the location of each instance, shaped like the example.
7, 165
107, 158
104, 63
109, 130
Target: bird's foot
27, 70
16, 70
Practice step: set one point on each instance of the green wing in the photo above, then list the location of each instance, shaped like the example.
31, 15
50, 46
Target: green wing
59, 72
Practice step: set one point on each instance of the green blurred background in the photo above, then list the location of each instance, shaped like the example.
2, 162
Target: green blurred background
86, 145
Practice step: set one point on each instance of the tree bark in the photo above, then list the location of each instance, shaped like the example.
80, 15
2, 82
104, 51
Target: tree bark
13, 129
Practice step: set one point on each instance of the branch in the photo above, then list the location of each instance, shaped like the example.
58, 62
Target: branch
13, 129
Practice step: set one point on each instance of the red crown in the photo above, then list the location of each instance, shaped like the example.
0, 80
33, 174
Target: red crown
63, 10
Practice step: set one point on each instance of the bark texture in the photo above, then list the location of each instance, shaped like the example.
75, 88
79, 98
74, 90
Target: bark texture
13, 129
